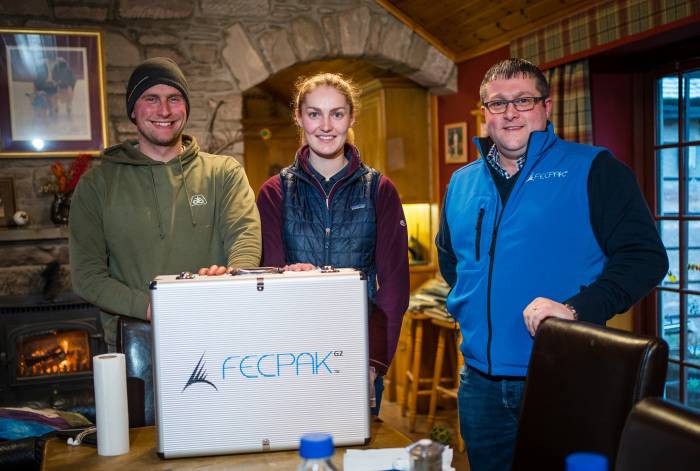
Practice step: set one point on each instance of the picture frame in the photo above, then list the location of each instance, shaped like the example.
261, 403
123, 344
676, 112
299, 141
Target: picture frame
7, 202
52, 93
480, 130
456, 143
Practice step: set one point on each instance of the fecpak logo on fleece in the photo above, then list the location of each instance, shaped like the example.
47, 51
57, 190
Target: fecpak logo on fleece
198, 200
547, 175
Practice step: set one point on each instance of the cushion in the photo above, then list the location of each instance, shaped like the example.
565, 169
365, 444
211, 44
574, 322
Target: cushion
24, 422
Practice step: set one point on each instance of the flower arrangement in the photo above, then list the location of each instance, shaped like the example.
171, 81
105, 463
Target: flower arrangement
62, 185
66, 181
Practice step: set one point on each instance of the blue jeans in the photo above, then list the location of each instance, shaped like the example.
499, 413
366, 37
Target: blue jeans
378, 390
488, 418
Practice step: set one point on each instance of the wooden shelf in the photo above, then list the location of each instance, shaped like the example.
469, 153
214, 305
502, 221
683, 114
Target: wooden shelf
14, 234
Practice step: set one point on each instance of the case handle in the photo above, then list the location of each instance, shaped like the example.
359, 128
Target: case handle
256, 271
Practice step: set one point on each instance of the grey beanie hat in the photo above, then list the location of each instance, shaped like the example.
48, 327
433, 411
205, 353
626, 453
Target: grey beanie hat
155, 71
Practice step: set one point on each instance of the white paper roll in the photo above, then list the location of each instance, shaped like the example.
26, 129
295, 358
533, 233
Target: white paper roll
111, 404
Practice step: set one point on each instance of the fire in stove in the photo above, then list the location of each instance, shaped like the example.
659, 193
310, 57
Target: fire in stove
53, 353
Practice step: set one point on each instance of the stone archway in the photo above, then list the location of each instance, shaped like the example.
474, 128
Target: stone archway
366, 31
371, 34
227, 47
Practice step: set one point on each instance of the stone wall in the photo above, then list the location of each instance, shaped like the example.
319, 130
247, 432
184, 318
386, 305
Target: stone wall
35, 266
224, 47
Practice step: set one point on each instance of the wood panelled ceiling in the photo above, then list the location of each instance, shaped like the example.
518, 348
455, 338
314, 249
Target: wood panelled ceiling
462, 29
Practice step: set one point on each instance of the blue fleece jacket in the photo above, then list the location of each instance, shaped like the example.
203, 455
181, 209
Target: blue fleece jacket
540, 243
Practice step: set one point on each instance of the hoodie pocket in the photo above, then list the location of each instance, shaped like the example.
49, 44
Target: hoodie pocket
477, 239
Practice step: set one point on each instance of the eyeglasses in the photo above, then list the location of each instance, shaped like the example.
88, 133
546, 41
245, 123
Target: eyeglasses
524, 103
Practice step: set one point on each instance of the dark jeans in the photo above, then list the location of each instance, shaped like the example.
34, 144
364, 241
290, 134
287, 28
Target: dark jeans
488, 415
378, 390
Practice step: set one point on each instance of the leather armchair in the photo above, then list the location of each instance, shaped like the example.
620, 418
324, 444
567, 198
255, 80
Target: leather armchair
659, 435
582, 382
134, 340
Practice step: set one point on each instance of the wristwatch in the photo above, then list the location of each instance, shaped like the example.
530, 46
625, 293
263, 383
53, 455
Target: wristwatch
572, 310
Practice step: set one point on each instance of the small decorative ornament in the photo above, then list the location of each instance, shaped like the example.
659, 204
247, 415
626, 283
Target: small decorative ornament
265, 134
21, 218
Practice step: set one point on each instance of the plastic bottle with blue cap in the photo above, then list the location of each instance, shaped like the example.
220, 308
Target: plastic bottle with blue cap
584, 461
316, 451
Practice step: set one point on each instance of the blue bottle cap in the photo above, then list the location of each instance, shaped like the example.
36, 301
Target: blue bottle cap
316, 445
583, 461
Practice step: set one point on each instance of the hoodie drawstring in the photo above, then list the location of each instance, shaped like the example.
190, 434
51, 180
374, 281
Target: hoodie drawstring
155, 199
187, 192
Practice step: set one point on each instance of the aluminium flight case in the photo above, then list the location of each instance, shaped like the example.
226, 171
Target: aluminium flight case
248, 362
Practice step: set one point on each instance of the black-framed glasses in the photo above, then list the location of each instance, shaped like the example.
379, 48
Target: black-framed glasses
523, 103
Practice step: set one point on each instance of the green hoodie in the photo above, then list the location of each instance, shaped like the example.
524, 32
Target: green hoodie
133, 218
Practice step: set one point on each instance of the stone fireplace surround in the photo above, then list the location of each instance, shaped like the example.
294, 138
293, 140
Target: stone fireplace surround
36, 297
23, 318
34, 261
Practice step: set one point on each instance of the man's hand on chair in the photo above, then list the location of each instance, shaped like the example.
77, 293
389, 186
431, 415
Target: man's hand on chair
540, 309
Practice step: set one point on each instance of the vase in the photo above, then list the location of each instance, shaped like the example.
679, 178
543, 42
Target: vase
60, 208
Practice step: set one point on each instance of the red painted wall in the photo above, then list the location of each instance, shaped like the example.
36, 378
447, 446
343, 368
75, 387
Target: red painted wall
611, 110
611, 113
457, 107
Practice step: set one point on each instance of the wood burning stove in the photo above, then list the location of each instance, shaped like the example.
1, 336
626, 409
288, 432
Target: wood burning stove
46, 347
55, 352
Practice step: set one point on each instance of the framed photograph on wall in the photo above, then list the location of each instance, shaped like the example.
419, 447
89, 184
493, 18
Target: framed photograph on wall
52, 94
480, 130
7, 202
456, 143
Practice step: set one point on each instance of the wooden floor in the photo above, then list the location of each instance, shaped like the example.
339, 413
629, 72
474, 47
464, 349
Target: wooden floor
390, 413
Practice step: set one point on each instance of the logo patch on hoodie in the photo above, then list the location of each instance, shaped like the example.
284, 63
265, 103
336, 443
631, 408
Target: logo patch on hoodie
198, 200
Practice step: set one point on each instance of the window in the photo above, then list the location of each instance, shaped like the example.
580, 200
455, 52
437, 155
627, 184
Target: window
677, 164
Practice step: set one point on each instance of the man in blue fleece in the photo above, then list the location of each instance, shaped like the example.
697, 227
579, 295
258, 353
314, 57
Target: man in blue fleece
538, 227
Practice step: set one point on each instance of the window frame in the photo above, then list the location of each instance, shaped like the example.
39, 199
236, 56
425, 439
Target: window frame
682, 216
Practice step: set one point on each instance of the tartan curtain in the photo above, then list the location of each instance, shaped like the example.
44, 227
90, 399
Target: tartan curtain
591, 29
571, 110
599, 26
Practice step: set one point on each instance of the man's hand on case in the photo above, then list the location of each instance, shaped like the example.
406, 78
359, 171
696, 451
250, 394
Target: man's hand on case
300, 267
214, 270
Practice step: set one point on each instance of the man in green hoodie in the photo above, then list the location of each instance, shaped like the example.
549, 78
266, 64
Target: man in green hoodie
157, 205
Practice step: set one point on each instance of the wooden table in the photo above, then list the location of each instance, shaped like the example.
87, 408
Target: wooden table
142, 455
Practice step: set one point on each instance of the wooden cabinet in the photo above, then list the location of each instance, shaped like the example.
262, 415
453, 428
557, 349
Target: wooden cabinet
392, 132
266, 156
